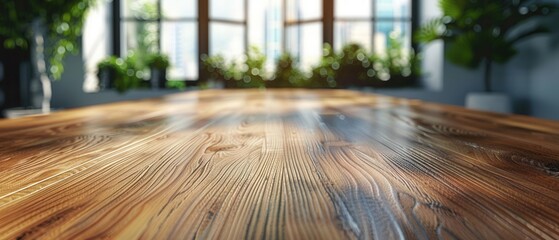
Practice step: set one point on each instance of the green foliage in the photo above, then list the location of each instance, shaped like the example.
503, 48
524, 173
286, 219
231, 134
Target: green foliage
146, 40
111, 63
287, 73
135, 73
397, 67
158, 61
220, 70
146, 53
323, 75
432, 30
215, 66
252, 71
180, 85
63, 20
116, 69
353, 66
484, 30
127, 73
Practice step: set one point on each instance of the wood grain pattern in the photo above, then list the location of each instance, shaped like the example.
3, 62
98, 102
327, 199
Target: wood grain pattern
282, 164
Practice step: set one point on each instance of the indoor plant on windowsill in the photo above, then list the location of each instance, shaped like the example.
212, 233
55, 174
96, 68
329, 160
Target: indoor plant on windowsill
484, 32
158, 64
52, 29
120, 74
287, 73
215, 67
108, 71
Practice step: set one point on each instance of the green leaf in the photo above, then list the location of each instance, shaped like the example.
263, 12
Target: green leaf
461, 52
477, 30
453, 8
432, 30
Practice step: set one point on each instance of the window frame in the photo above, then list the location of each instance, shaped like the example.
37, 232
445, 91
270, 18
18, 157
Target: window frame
118, 19
374, 20
203, 21
298, 23
243, 23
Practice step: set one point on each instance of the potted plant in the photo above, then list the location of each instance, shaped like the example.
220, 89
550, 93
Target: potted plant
158, 64
484, 32
220, 72
323, 75
351, 66
287, 73
251, 73
52, 29
108, 70
396, 68
120, 74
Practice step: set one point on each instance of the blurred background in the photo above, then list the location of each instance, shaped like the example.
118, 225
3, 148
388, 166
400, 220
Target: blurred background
494, 55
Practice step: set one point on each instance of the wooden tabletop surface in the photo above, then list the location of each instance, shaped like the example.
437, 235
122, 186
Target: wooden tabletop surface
284, 164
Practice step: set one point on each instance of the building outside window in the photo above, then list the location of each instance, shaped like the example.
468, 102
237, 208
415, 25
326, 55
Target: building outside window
227, 27
166, 26
274, 26
371, 23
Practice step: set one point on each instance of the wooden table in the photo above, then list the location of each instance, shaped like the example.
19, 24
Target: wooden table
287, 164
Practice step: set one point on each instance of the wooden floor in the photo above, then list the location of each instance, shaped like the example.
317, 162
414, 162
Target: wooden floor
286, 164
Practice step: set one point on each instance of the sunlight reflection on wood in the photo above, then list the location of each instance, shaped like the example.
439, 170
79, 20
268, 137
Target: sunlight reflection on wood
285, 164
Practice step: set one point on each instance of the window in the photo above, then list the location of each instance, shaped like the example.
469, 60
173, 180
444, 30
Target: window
265, 27
228, 28
303, 30
372, 22
166, 26
187, 29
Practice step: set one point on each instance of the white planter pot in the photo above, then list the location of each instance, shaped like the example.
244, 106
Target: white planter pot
491, 102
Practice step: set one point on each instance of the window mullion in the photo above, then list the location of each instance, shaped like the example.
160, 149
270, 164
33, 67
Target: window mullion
414, 21
116, 28
246, 24
159, 26
284, 28
203, 36
328, 22
373, 24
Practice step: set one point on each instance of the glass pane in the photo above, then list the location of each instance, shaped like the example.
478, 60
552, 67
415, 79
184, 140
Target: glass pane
353, 8
265, 25
227, 9
305, 42
353, 32
179, 42
303, 9
400, 30
393, 8
143, 9
141, 37
179, 8
227, 40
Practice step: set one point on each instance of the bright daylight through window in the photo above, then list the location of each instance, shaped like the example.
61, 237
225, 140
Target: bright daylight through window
186, 30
